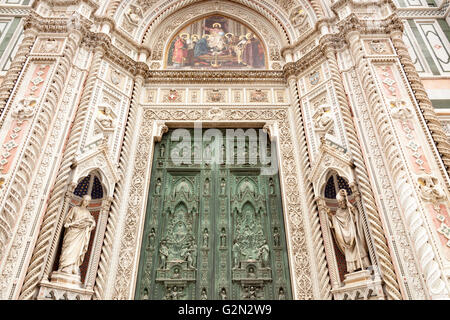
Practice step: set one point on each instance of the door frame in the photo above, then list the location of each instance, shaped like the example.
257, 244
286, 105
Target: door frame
279, 123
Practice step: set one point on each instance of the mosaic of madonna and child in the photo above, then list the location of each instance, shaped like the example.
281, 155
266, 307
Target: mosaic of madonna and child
216, 42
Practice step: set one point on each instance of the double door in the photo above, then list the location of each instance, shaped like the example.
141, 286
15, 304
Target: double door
212, 230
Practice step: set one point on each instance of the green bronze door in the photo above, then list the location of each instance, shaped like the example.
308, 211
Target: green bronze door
212, 230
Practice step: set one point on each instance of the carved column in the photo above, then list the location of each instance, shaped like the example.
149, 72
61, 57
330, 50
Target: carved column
327, 238
373, 217
432, 121
97, 246
321, 261
404, 188
105, 257
53, 213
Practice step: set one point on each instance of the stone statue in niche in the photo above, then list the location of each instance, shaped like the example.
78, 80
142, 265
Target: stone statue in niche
78, 224
349, 234
163, 254
162, 151
264, 254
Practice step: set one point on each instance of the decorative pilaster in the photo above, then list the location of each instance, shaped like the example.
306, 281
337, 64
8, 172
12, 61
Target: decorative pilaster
432, 121
404, 188
371, 211
105, 258
39, 125
53, 213
15, 69
321, 261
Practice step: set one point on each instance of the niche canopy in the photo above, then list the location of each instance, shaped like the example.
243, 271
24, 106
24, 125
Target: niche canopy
216, 42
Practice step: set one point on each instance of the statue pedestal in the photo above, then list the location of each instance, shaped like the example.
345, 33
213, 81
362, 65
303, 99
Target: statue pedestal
358, 276
66, 278
64, 286
360, 285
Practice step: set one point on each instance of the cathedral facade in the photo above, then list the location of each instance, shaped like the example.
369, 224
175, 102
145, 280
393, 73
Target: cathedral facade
224, 149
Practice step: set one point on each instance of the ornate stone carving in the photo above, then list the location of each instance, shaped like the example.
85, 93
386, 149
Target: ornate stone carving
400, 110
349, 233
430, 189
24, 109
323, 122
78, 226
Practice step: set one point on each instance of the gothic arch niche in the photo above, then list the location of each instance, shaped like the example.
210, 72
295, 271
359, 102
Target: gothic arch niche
147, 19
63, 287
335, 183
353, 272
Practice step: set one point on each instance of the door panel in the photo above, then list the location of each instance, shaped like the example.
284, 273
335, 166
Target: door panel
212, 231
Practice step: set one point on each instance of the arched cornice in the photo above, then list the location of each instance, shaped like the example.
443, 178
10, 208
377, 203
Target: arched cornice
277, 12
161, 36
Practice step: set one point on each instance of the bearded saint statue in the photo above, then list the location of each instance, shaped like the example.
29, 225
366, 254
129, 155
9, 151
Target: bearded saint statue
78, 224
349, 234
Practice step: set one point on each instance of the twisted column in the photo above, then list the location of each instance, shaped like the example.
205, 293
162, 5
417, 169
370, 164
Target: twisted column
315, 4
112, 8
32, 147
105, 258
316, 231
15, 69
44, 245
373, 217
405, 191
432, 121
